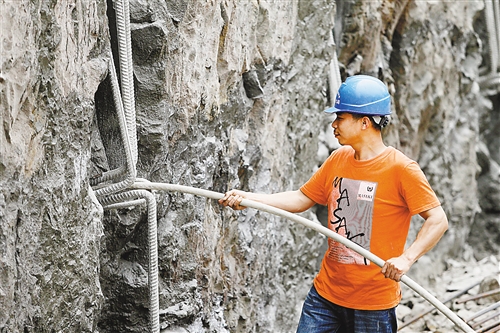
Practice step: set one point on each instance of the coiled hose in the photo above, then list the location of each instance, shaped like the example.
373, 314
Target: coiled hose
124, 101
107, 193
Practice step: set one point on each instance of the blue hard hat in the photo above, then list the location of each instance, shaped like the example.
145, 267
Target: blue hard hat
362, 94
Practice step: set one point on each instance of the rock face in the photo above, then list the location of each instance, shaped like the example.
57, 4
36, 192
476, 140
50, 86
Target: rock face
228, 95
50, 224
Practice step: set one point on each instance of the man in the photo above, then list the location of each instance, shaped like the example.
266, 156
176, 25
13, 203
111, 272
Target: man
372, 191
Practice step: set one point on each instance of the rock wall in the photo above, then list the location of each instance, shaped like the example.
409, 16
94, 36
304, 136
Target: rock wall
53, 58
228, 94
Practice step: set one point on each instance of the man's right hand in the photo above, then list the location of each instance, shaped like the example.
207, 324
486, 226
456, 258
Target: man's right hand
233, 199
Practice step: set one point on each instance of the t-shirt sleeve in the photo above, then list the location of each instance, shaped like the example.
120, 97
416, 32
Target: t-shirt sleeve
416, 190
316, 187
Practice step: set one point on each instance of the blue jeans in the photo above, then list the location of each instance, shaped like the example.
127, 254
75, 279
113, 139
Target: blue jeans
320, 315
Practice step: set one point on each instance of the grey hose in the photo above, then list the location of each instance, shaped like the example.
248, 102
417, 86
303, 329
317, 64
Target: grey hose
126, 204
138, 196
319, 228
124, 101
126, 69
130, 163
125, 105
117, 99
492, 33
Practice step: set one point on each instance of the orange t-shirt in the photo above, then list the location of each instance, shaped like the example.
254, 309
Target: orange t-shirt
370, 202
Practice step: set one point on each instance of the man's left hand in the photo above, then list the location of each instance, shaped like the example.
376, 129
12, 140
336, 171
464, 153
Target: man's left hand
395, 268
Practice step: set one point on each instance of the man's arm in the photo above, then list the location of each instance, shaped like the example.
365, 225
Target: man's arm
435, 225
292, 201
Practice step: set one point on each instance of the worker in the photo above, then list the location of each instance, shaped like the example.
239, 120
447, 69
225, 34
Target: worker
372, 191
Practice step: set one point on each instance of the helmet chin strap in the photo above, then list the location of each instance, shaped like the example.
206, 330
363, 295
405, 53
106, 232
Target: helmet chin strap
382, 121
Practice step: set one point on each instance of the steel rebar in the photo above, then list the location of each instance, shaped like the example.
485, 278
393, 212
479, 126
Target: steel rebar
478, 296
449, 299
483, 311
485, 319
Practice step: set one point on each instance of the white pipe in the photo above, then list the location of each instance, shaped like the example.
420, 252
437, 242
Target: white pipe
319, 228
124, 102
125, 106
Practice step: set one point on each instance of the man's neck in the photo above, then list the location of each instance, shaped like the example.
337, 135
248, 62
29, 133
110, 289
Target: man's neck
369, 150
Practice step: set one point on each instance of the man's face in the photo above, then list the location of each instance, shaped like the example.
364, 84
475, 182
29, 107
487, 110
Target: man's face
346, 128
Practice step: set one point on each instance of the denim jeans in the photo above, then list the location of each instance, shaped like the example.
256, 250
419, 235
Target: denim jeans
320, 315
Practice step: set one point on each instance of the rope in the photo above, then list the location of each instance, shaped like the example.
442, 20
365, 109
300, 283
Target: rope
319, 228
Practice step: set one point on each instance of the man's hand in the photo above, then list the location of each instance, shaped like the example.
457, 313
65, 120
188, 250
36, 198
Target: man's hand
432, 230
395, 268
233, 199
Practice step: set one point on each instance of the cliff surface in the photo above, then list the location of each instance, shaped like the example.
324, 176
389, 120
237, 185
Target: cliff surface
229, 94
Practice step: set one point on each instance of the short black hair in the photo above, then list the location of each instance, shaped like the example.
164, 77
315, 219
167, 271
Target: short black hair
358, 116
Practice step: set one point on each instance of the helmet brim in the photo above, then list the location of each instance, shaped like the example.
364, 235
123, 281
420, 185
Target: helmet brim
331, 110
335, 110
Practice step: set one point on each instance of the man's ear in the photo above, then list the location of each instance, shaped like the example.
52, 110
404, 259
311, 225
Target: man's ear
365, 122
